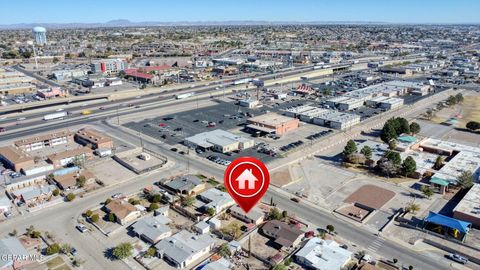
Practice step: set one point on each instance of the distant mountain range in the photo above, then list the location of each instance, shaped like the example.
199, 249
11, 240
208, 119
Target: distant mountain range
127, 23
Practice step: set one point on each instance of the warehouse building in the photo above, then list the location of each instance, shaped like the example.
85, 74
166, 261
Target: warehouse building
345, 103
385, 102
306, 113
337, 120
272, 123
219, 140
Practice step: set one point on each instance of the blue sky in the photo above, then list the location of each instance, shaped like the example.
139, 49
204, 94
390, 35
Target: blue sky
408, 11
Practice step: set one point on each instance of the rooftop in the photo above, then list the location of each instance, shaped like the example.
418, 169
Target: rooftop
14, 154
324, 254
42, 138
93, 135
470, 204
271, 119
216, 137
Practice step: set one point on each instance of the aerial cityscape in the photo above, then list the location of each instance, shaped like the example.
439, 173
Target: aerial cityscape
240, 135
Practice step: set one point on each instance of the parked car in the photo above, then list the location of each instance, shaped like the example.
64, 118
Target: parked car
174, 149
294, 199
82, 228
73, 251
116, 195
457, 258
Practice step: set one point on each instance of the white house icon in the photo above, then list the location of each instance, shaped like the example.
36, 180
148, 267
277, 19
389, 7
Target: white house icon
246, 176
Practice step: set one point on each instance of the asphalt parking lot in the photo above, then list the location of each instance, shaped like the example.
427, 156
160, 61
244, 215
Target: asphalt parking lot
174, 128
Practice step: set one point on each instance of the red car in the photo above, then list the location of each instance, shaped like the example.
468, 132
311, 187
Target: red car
162, 125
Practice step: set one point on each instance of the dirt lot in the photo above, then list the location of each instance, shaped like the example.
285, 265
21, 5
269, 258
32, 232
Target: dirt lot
261, 247
110, 172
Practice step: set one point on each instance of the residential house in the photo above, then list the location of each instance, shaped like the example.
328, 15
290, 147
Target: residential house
255, 216
5, 204
184, 248
202, 227
186, 185
34, 195
19, 255
152, 229
123, 211
70, 180
220, 264
284, 235
216, 199
322, 254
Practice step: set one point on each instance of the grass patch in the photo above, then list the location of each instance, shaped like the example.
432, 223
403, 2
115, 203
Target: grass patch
470, 109
201, 176
55, 262
212, 182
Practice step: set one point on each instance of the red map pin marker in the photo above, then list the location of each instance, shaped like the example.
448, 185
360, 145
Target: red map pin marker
246, 179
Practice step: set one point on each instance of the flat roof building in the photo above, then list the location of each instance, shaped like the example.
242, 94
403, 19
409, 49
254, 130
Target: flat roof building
66, 157
323, 255
216, 199
337, 120
219, 140
93, 138
15, 158
272, 123
468, 209
43, 141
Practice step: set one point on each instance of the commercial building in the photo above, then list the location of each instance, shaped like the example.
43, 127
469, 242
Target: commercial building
468, 209
345, 103
44, 141
124, 211
337, 120
40, 35
306, 113
272, 123
219, 140
152, 229
15, 158
93, 138
184, 248
68, 74
66, 157
108, 66
249, 103
385, 102
323, 255
216, 199
18, 88
51, 92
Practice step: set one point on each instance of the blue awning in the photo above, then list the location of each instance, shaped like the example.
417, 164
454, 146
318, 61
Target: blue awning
449, 222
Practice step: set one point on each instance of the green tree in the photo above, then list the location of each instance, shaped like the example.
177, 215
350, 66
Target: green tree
465, 180
224, 251
35, 234
472, 125
427, 191
402, 126
275, 214
414, 128
107, 201
388, 132
70, 197
150, 252
367, 152
188, 201
279, 267
123, 250
429, 114
155, 198
284, 214
211, 211
53, 249
112, 217
88, 213
95, 218
350, 148
412, 207
459, 98
56, 192
81, 181
330, 228
438, 163
392, 144
65, 248
288, 261
26, 54
394, 157
451, 100
409, 166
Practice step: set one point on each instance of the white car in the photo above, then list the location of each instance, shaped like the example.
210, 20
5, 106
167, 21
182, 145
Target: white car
82, 228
